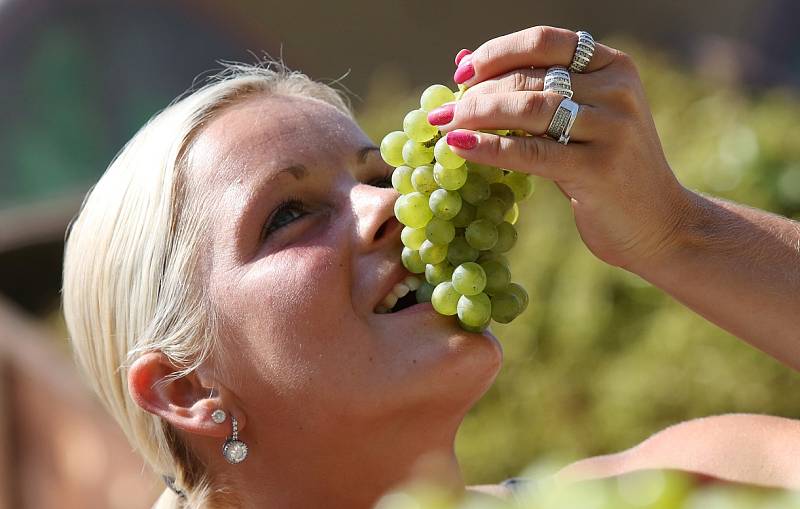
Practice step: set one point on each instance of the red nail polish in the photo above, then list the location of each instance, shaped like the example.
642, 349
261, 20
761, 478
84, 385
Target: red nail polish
462, 139
461, 54
465, 70
442, 115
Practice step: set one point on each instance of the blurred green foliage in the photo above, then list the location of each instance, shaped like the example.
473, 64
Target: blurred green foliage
601, 359
652, 489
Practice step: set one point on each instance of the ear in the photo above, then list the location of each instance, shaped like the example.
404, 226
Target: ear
186, 403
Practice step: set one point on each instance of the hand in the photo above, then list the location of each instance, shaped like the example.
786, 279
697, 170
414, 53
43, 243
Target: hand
627, 203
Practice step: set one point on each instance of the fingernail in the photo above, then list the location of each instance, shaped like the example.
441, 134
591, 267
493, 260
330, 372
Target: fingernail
461, 54
442, 115
462, 139
465, 70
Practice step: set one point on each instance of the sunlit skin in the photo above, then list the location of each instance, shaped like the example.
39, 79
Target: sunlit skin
336, 403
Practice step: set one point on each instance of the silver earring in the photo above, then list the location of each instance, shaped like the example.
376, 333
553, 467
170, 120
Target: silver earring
219, 416
234, 450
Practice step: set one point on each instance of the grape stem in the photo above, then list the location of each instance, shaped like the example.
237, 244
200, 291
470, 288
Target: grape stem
433, 140
461, 89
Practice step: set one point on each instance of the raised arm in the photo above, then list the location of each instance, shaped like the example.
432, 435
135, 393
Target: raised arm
739, 267
736, 266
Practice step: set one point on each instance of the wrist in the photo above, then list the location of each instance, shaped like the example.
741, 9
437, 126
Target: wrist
685, 215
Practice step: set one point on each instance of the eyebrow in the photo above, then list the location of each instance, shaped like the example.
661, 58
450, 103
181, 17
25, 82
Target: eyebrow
298, 171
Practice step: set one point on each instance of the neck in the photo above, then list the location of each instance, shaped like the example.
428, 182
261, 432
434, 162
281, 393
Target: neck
305, 468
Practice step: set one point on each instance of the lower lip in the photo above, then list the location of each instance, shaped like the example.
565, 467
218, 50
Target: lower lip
427, 307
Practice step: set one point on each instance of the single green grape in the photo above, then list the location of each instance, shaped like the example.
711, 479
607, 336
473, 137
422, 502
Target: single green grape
465, 215
432, 253
450, 178
439, 273
424, 293
504, 193
469, 278
412, 210
492, 209
497, 276
474, 310
506, 237
416, 126
475, 189
520, 183
445, 204
446, 157
422, 179
445, 299
476, 329
412, 237
439, 231
481, 234
392, 147
492, 256
434, 96
512, 215
416, 154
505, 307
489, 173
459, 251
401, 179
519, 292
412, 261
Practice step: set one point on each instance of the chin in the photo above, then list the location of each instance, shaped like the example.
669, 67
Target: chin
468, 367
436, 363
477, 358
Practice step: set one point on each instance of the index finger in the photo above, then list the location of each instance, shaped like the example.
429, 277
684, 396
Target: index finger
540, 46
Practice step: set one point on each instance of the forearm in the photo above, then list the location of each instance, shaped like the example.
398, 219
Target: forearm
740, 268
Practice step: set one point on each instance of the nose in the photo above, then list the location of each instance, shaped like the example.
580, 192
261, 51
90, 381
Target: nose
374, 212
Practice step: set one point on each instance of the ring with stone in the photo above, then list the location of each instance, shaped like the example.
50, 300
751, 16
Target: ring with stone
563, 119
583, 52
557, 80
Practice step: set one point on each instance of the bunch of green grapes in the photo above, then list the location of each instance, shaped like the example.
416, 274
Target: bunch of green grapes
459, 220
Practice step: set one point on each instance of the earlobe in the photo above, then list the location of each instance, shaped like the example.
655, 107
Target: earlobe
184, 402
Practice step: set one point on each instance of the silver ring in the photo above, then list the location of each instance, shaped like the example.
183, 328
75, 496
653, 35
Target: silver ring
583, 52
563, 120
557, 80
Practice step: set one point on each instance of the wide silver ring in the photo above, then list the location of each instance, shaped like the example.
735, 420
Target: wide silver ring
563, 120
557, 80
583, 52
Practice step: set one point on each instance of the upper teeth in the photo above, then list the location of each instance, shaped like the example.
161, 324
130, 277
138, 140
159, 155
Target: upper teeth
400, 290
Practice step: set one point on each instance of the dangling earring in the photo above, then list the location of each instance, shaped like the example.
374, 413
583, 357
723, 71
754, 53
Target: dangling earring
234, 450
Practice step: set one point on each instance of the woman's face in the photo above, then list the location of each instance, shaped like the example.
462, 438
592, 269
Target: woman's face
302, 248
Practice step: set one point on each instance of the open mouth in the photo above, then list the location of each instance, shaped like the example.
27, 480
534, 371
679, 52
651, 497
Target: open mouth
403, 295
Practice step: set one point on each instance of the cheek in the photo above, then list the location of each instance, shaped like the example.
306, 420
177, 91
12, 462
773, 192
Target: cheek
302, 289
291, 315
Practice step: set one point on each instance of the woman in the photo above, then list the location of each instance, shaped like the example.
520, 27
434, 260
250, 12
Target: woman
222, 277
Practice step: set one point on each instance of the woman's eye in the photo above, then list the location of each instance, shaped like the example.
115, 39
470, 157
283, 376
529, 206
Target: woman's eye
285, 214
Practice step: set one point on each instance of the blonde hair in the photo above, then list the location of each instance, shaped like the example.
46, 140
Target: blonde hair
131, 277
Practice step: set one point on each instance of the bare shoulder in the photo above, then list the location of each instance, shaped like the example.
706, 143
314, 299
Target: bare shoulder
748, 448
492, 490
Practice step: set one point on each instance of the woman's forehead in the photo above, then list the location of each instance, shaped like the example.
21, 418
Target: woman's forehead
270, 132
